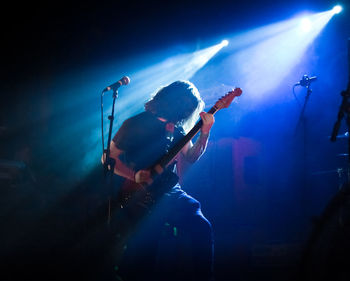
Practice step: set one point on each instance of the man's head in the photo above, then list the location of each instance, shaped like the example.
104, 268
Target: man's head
177, 102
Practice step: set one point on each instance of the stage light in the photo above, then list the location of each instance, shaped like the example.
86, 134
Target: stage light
224, 43
264, 58
305, 24
337, 9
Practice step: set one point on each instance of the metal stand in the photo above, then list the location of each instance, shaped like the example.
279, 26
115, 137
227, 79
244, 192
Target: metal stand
302, 113
109, 162
344, 109
302, 121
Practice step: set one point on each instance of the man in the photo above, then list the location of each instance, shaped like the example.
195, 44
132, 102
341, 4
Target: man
138, 144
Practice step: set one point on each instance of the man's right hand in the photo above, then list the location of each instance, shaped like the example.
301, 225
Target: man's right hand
143, 176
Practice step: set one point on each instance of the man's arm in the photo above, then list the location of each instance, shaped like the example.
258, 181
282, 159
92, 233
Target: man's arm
192, 152
119, 168
123, 170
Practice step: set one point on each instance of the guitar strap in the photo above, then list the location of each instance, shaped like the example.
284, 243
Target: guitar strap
170, 128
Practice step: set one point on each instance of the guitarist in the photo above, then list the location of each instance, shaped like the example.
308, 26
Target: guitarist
139, 143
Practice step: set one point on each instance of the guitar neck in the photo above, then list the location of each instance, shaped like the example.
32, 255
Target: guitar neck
167, 158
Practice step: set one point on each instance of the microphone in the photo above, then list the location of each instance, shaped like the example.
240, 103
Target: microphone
306, 81
123, 81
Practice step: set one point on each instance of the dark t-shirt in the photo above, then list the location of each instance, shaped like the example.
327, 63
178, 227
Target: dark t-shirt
144, 140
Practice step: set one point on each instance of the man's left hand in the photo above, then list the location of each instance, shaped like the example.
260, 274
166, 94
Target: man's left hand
208, 121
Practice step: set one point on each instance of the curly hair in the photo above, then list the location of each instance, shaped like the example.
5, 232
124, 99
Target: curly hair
179, 103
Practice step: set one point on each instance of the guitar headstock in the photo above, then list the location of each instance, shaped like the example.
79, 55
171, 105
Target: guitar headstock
227, 99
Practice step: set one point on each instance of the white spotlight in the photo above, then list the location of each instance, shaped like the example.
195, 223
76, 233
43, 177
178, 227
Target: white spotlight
224, 43
337, 9
305, 24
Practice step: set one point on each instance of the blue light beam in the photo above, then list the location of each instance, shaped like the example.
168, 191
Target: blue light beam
73, 98
263, 58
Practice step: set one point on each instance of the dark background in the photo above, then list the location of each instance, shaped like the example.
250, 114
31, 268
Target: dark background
262, 222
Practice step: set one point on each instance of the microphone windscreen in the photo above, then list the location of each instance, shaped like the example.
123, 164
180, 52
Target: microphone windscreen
125, 80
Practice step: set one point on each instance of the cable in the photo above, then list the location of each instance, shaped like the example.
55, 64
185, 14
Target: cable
295, 96
103, 141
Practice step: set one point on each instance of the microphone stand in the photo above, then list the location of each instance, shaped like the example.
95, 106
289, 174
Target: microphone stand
344, 109
109, 162
302, 113
302, 120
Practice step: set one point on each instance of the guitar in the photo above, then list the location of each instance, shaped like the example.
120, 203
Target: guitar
145, 195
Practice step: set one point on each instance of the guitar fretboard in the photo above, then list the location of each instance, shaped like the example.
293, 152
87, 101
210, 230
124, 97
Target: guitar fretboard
167, 158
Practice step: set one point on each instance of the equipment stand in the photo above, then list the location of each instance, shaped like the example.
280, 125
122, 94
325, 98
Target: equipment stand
109, 162
302, 113
344, 109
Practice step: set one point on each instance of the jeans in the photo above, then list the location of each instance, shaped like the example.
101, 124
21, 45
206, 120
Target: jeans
193, 260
